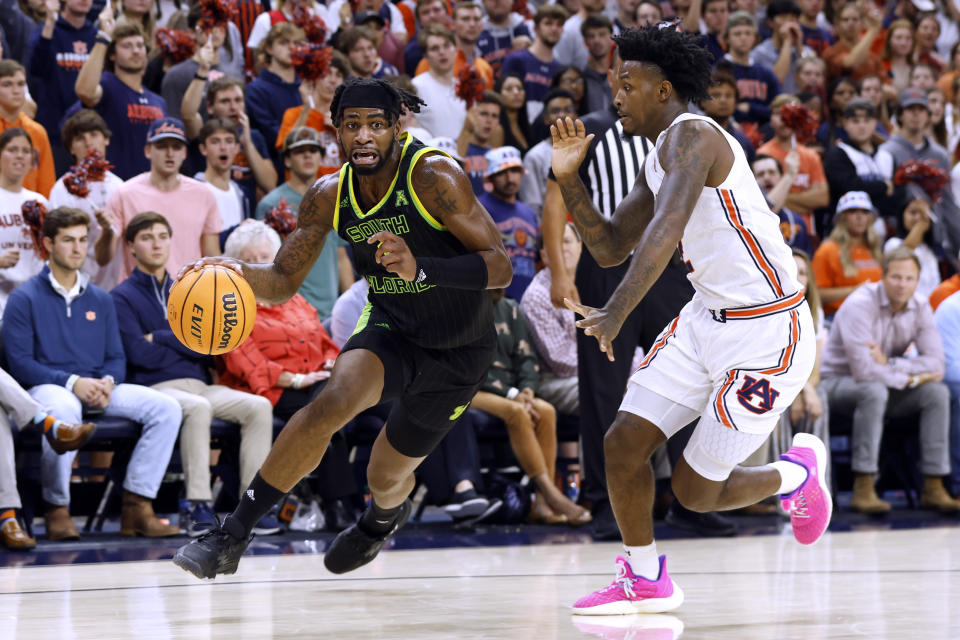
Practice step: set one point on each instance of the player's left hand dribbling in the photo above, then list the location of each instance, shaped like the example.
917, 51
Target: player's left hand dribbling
599, 323
394, 255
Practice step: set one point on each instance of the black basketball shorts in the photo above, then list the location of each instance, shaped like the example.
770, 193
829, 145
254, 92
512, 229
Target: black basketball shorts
433, 387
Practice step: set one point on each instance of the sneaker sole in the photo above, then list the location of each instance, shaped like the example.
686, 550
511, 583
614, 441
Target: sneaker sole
627, 607
267, 532
811, 441
191, 566
467, 509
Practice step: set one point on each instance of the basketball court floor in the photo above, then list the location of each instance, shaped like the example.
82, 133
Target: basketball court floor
872, 583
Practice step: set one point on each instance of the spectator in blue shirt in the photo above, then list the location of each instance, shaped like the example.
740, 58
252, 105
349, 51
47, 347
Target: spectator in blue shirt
504, 31
277, 88
757, 85
516, 221
156, 358
118, 95
536, 65
57, 51
62, 342
947, 318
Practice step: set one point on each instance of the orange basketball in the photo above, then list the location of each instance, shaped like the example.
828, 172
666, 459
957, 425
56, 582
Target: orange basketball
211, 310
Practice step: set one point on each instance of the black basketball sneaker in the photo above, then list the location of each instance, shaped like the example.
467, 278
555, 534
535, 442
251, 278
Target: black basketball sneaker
216, 551
353, 547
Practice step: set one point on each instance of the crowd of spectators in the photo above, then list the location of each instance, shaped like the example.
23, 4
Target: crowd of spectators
214, 136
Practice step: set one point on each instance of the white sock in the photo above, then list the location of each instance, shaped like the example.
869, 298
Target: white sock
792, 475
644, 560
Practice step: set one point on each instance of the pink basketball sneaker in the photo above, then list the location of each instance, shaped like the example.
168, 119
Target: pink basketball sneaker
810, 506
629, 594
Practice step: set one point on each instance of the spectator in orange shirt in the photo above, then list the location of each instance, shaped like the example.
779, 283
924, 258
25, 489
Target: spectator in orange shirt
850, 56
852, 253
315, 113
13, 95
944, 290
810, 189
467, 28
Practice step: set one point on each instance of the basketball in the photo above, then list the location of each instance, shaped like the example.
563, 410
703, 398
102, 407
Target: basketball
211, 310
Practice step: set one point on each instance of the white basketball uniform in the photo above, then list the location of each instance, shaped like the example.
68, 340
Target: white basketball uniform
741, 350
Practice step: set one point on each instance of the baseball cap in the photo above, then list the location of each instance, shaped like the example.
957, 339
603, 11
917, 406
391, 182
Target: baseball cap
367, 16
165, 128
855, 200
302, 137
501, 159
913, 96
448, 146
741, 19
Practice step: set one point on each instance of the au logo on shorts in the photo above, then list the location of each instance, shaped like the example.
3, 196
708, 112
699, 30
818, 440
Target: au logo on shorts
757, 395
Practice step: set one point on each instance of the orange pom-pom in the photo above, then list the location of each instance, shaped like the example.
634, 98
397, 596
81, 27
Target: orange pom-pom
314, 28
311, 61
925, 174
175, 46
34, 212
470, 86
282, 218
801, 120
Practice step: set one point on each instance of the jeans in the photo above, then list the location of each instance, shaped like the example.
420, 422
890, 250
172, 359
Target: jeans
158, 413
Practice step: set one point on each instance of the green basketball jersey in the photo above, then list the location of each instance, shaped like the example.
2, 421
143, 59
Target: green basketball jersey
429, 315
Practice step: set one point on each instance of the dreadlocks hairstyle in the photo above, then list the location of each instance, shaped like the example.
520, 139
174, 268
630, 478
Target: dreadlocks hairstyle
394, 98
680, 56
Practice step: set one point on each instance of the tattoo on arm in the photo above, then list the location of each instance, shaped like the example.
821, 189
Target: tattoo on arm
277, 282
688, 157
594, 229
446, 194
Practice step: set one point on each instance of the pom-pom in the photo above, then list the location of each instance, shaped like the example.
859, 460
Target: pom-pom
33, 212
521, 7
93, 168
281, 218
801, 120
314, 28
216, 13
470, 85
175, 46
311, 61
925, 174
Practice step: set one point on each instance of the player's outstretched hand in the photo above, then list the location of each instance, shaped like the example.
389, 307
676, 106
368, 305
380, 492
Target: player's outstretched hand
599, 323
223, 261
570, 144
394, 255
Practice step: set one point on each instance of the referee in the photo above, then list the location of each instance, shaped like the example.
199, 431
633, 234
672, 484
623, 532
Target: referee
613, 162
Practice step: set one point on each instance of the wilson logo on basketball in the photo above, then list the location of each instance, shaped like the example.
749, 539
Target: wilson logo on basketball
229, 303
211, 310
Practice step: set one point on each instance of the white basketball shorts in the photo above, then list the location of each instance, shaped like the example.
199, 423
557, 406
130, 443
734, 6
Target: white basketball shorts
738, 374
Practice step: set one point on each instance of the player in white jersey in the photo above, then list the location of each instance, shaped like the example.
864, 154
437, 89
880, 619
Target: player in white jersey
738, 353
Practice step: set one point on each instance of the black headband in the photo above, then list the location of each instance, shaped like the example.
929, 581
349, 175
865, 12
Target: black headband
369, 96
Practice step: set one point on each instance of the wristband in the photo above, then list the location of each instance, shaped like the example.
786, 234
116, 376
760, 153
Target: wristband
297, 381
104, 41
468, 271
197, 76
512, 393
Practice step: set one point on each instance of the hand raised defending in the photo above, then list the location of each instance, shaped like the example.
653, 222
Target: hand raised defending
599, 323
570, 144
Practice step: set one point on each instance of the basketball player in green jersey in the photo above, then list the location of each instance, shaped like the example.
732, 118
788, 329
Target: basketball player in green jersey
426, 338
